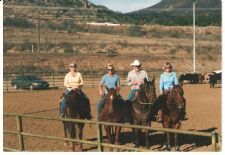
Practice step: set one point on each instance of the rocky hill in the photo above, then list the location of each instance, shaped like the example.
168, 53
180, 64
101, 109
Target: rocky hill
180, 12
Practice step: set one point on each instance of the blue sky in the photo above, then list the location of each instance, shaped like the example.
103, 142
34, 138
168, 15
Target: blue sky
125, 5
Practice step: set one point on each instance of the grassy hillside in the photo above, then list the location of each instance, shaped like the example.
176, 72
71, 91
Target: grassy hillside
180, 12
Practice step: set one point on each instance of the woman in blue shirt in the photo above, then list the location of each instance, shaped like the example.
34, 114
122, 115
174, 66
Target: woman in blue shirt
168, 78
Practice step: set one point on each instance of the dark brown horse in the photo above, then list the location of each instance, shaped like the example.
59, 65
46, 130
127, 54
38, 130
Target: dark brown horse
113, 110
141, 109
77, 106
172, 104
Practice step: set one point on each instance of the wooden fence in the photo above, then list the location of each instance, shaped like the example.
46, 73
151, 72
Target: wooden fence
212, 135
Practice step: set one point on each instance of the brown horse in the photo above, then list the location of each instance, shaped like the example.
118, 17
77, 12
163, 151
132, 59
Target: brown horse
172, 104
141, 109
113, 110
76, 107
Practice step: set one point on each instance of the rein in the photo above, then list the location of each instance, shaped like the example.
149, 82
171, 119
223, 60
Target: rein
145, 103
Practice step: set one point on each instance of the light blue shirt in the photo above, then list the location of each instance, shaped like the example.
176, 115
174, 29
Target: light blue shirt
167, 81
111, 81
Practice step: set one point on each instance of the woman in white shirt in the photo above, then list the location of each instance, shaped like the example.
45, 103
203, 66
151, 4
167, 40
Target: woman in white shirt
73, 80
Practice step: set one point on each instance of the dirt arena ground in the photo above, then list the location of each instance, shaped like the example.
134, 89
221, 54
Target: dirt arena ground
203, 109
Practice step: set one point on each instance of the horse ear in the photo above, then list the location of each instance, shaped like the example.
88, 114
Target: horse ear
145, 80
153, 80
107, 88
181, 84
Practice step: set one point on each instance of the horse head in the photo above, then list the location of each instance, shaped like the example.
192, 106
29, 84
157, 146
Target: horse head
175, 96
110, 99
147, 92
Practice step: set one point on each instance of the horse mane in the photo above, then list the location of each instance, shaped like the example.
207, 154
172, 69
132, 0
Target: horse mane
75, 105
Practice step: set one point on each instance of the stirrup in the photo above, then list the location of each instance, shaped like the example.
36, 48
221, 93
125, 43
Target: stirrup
62, 115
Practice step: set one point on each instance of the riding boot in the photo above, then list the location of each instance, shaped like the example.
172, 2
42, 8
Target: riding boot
62, 108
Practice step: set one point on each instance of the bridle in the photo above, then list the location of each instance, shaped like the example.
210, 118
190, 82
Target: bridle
147, 95
175, 97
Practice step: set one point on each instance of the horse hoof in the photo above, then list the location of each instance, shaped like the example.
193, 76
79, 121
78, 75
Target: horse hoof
168, 148
177, 149
164, 146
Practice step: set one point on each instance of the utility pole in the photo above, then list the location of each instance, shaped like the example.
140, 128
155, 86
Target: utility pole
194, 36
38, 31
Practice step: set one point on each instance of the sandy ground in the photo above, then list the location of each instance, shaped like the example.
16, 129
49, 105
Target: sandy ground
203, 109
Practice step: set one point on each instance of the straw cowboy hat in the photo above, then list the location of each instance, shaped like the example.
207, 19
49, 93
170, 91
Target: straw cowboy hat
136, 63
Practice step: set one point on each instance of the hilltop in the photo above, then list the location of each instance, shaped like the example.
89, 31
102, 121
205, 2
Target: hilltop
180, 12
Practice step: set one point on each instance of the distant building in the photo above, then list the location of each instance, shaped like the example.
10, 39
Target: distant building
103, 24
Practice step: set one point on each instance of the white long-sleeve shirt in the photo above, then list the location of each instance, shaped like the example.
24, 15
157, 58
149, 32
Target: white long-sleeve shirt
136, 77
73, 81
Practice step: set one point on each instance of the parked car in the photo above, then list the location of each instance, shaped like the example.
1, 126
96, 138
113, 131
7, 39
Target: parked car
29, 82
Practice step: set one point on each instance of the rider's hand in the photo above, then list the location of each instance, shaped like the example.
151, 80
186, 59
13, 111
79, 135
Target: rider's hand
139, 82
101, 93
134, 83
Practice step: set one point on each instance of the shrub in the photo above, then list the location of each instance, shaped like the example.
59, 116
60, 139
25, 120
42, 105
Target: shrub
22, 23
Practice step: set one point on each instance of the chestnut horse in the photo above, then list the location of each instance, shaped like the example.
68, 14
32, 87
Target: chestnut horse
141, 109
114, 110
172, 103
76, 107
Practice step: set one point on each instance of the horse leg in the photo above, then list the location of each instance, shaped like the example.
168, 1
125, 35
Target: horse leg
72, 132
147, 139
108, 135
65, 131
107, 130
137, 137
177, 126
167, 137
80, 134
117, 134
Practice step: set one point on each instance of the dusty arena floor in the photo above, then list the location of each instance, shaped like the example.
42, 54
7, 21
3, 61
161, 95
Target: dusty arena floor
203, 113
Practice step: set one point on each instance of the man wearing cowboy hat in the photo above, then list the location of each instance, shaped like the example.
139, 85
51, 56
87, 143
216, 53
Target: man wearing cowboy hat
135, 78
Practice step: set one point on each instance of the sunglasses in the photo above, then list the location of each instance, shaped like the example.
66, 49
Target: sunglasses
168, 67
110, 69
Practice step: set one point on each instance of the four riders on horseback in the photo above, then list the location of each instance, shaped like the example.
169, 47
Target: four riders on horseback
73, 81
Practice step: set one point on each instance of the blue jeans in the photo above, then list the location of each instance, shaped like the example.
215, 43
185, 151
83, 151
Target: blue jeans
63, 102
100, 103
131, 94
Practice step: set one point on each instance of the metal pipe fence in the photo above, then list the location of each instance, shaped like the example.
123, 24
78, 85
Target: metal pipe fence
213, 135
56, 80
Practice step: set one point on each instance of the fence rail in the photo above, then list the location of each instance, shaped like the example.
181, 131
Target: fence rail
213, 135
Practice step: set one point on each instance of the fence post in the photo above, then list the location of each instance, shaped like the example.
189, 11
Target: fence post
214, 141
93, 80
219, 141
19, 129
6, 80
99, 134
